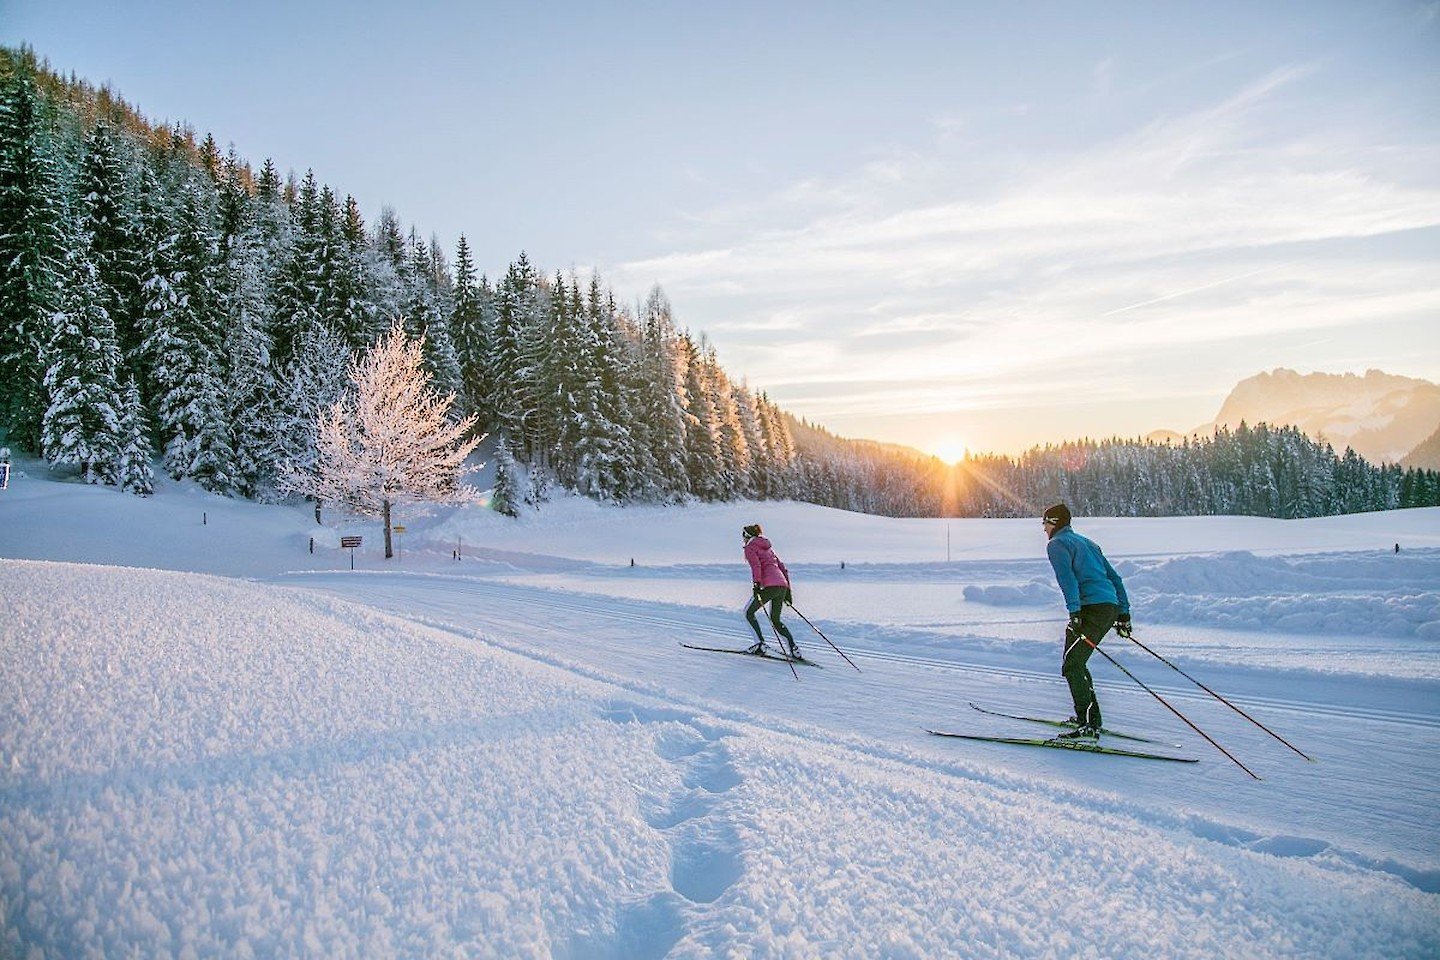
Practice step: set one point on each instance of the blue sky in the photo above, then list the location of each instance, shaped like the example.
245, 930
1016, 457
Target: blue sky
943, 224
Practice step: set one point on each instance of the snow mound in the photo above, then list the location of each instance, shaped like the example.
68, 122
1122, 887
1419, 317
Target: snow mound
1034, 593
1365, 594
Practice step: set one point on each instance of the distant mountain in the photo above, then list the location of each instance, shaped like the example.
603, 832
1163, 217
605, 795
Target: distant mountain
1427, 455
1383, 416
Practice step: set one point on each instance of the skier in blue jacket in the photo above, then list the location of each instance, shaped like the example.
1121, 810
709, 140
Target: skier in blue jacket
1096, 600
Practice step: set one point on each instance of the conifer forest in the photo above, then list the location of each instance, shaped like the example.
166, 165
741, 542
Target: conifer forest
165, 303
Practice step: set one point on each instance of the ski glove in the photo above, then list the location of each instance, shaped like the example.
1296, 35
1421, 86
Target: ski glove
789, 597
1072, 628
1122, 626
756, 587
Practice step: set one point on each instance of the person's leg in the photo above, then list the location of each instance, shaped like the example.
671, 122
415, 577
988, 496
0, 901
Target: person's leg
775, 596
1095, 622
755, 604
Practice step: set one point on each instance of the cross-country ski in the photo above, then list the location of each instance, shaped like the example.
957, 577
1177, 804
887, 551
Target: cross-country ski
1080, 746
1066, 724
764, 655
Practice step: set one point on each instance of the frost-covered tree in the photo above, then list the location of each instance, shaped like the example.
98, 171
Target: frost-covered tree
32, 253
133, 472
502, 495
468, 327
390, 440
82, 420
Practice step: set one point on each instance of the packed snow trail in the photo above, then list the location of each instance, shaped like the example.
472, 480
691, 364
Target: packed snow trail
194, 765
1368, 800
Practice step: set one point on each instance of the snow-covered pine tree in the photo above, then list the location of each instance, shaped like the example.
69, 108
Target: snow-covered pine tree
467, 330
310, 383
183, 345
703, 460
355, 307
659, 404
390, 440
108, 213
299, 280
503, 497
32, 254
424, 321
81, 424
516, 308
734, 476
250, 387
133, 471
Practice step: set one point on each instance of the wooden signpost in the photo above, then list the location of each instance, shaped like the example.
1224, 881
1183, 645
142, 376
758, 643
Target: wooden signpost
350, 543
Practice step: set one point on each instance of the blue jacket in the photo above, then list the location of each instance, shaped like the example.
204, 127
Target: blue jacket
1084, 575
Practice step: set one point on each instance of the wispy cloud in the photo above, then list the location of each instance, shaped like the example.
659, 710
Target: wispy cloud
1190, 228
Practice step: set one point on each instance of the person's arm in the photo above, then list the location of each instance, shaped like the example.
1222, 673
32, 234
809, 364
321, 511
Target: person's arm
1063, 563
1110, 572
753, 557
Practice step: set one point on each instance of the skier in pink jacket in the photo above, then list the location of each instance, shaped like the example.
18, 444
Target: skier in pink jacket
771, 585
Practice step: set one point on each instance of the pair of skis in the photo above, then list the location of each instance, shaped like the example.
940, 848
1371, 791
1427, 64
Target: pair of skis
1082, 746
766, 655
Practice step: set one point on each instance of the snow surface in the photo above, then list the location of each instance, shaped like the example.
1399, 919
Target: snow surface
216, 743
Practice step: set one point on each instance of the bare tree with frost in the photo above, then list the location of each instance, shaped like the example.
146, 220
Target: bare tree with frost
390, 440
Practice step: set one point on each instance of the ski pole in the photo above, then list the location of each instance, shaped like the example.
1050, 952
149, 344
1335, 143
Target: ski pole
776, 634
1220, 698
1096, 647
822, 635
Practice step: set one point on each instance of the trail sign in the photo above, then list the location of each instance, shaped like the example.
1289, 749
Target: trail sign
350, 543
4, 476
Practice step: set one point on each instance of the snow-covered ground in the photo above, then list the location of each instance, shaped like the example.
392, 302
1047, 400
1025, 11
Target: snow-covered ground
214, 742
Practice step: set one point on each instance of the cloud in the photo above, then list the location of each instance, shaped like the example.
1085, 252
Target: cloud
1224, 222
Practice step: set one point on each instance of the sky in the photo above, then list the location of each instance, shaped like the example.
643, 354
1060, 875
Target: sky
948, 225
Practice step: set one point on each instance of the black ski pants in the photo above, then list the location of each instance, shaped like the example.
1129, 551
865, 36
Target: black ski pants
1096, 619
775, 597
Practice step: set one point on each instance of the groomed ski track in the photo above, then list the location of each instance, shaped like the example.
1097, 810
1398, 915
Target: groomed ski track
619, 641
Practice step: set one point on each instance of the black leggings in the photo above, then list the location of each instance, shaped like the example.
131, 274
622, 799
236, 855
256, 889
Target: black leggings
1096, 619
775, 596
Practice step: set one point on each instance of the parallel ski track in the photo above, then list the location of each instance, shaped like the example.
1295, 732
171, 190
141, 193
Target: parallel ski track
633, 611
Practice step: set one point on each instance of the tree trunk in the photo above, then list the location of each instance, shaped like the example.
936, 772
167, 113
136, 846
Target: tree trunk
385, 515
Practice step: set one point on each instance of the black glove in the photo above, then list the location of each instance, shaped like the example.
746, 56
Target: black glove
1072, 628
756, 588
789, 597
1122, 626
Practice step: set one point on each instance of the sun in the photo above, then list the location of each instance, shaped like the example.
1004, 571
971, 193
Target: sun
950, 449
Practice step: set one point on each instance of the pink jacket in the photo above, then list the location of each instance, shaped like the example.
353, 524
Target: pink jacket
766, 569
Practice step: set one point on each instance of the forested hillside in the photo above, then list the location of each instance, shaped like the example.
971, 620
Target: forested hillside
162, 298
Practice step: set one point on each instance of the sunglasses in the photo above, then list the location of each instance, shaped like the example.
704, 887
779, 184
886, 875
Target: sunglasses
1047, 522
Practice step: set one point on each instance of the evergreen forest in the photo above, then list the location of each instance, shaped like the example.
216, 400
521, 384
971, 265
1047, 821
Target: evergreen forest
163, 302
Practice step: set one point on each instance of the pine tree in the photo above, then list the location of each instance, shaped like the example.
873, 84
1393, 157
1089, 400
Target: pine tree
108, 215
467, 330
81, 424
502, 496
660, 413
133, 472
702, 432
32, 254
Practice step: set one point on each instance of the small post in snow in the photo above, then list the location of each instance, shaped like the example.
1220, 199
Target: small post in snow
204, 519
399, 542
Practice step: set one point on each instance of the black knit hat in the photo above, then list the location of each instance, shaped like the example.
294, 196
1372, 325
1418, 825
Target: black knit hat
1059, 513
751, 531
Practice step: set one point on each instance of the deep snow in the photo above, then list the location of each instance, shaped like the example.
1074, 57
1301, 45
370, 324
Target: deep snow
510, 755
